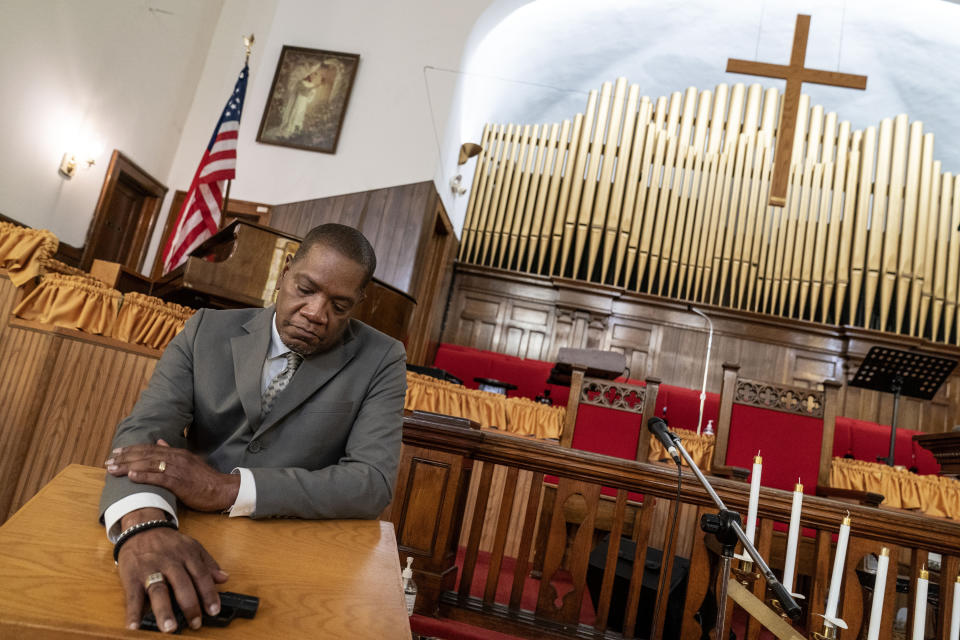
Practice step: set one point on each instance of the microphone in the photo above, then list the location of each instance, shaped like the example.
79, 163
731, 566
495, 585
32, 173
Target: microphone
659, 428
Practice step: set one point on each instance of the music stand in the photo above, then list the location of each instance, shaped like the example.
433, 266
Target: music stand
901, 373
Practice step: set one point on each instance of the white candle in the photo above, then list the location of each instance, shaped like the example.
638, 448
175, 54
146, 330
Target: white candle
955, 612
754, 497
879, 586
793, 537
920, 606
836, 579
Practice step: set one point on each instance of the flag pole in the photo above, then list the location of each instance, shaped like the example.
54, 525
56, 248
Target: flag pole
248, 44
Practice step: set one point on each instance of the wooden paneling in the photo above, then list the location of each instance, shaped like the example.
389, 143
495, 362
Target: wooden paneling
62, 394
414, 241
534, 316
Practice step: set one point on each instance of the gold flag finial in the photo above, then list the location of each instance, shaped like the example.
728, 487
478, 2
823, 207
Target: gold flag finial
248, 43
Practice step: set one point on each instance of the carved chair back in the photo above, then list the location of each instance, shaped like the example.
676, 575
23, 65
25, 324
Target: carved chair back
608, 417
791, 428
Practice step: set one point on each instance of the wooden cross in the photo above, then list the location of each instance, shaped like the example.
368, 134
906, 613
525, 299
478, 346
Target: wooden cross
795, 74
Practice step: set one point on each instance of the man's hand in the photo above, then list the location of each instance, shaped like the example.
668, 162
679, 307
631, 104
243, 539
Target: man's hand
194, 482
186, 567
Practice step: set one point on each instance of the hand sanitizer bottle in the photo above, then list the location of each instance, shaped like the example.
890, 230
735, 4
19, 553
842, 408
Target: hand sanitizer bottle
708, 430
409, 586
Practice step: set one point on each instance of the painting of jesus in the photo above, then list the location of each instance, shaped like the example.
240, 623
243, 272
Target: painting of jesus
308, 99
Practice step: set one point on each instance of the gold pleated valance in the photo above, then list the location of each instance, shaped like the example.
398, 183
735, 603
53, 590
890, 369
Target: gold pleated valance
72, 302
23, 250
933, 495
519, 416
149, 321
699, 446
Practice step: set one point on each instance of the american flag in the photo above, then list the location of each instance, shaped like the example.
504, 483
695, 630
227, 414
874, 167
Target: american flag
200, 214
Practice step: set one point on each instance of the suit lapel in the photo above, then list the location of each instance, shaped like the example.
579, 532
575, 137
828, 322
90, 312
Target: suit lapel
249, 352
312, 374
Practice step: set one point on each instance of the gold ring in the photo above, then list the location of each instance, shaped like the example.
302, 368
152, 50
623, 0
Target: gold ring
151, 580
162, 466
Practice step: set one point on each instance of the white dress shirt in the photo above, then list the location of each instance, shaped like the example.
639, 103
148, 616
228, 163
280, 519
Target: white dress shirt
246, 502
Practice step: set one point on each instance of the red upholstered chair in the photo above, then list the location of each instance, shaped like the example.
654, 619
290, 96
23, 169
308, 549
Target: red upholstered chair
792, 428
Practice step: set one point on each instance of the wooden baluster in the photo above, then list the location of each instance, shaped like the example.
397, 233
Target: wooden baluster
500, 539
476, 529
822, 566
666, 574
641, 535
853, 604
526, 540
698, 583
949, 567
610, 563
764, 542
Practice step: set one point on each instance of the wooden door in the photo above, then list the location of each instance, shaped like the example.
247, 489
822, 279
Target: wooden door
126, 212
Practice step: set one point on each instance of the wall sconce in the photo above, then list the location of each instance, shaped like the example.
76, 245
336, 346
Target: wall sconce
68, 164
467, 151
456, 185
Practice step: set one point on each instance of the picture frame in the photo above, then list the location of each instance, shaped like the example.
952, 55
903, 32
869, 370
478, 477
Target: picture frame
308, 99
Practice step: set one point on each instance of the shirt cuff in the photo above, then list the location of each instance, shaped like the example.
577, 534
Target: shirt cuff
246, 502
115, 512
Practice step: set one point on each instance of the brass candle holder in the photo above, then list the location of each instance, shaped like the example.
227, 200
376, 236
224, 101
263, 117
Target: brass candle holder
745, 573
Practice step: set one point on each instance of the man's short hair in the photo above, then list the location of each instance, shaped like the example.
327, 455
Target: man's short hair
346, 241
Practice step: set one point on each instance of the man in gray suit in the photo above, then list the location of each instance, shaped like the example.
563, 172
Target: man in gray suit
292, 411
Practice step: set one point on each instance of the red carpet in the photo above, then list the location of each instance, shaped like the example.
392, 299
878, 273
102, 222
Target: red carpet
451, 630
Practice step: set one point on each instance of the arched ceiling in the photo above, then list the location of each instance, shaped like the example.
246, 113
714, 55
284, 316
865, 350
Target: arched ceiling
535, 62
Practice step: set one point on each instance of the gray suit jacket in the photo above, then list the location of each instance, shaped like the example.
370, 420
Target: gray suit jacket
329, 448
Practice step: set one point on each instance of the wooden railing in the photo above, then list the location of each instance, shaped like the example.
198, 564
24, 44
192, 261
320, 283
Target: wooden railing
433, 489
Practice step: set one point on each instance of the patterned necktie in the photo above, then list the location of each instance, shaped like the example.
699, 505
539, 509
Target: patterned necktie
280, 382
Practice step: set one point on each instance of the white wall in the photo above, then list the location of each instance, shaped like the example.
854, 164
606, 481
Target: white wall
388, 135
104, 74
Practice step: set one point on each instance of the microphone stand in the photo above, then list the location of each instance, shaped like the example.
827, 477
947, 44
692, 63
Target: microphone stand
725, 526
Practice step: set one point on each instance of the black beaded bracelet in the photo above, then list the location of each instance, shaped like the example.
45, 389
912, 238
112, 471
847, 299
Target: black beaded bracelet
129, 532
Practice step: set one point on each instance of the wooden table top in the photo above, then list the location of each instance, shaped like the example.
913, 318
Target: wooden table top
315, 579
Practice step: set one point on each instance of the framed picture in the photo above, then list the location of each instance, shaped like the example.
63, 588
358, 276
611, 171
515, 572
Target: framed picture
308, 99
